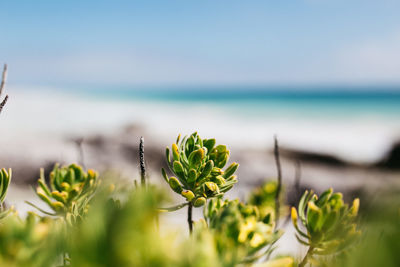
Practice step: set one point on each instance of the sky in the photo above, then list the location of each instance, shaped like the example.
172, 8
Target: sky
287, 42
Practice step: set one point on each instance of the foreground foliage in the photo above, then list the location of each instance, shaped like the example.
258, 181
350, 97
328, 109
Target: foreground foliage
101, 224
329, 223
69, 192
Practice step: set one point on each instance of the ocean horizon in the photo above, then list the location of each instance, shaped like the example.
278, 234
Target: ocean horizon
355, 125
331, 101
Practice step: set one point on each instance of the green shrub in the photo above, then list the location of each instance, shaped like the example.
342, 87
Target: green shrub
124, 233
329, 222
69, 191
240, 233
263, 197
198, 166
5, 179
29, 242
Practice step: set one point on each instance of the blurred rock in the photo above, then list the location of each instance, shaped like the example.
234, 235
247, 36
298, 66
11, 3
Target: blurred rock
392, 158
313, 157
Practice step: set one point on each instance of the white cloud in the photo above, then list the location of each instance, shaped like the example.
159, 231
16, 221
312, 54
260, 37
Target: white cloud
371, 61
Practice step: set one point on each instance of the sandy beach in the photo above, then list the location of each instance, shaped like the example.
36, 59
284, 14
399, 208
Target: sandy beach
44, 132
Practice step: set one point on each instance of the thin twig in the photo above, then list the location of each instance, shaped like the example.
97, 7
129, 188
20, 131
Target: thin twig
3, 103
279, 186
297, 178
190, 221
3, 79
2, 85
141, 159
79, 146
296, 188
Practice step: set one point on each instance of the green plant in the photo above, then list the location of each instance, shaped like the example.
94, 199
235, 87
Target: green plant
29, 241
5, 178
240, 233
69, 191
122, 232
329, 222
264, 196
379, 245
198, 165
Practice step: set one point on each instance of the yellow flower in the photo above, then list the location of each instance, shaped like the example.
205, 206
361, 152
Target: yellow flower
294, 216
256, 240
246, 229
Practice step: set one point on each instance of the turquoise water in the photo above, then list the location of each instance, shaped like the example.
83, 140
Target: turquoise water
356, 125
339, 102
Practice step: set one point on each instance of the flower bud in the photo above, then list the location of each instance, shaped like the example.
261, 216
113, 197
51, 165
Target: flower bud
355, 207
188, 195
199, 202
294, 216
91, 174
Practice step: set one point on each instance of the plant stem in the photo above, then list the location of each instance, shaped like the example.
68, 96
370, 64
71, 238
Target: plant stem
65, 252
3, 79
297, 179
2, 84
3, 103
79, 146
189, 219
141, 159
278, 189
309, 253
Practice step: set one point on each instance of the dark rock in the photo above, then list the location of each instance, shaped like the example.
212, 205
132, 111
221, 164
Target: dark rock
392, 158
313, 157
96, 141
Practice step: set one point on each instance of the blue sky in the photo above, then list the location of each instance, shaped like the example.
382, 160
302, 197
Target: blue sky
201, 42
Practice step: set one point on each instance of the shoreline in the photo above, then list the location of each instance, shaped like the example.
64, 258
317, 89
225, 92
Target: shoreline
37, 116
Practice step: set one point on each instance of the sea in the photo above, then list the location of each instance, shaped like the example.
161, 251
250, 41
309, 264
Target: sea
358, 124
